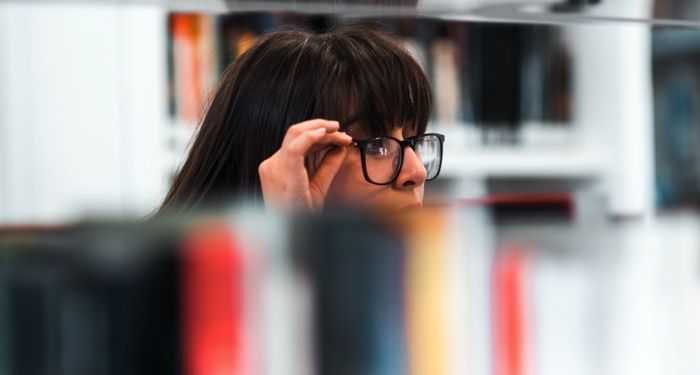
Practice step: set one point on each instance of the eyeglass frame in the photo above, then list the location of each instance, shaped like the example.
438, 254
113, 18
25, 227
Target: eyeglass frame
410, 141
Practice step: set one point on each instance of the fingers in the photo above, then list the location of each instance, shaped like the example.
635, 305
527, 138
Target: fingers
316, 123
283, 176
327, 170
297, 130
302, 144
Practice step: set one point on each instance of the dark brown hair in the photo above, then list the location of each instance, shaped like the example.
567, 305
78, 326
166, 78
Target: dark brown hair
355, 72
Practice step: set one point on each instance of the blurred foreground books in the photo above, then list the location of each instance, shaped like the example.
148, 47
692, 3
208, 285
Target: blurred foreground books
452, 290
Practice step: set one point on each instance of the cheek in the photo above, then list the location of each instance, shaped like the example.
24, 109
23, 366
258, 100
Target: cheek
349, 184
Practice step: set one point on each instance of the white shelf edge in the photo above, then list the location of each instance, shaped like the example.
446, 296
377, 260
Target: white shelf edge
523, 163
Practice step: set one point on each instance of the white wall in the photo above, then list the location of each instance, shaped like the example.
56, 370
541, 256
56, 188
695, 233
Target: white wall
82, 104
614, 104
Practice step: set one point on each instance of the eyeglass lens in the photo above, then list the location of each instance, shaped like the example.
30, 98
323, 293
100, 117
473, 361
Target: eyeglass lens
383, 157
428, 150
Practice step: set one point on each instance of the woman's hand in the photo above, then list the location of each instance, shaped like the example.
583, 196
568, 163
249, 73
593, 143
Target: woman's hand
283, 176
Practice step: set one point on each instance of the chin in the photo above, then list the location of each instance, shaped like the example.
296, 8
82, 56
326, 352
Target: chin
410, 207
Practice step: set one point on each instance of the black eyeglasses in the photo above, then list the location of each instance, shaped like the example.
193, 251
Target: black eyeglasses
382, 157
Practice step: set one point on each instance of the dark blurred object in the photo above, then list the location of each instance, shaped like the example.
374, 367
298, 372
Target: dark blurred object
89, 300
520, 74
498, 68
574, 5
676, 57
677, 10
405, 3
358, 280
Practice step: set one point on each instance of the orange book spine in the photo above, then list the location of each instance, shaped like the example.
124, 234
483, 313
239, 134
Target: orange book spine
425, 297
186, 29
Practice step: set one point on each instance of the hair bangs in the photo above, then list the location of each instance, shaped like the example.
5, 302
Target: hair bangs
373, 83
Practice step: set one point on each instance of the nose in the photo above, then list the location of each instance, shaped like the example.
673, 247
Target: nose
413, 173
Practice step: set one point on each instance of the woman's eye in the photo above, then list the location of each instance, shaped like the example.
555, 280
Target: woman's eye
377, 148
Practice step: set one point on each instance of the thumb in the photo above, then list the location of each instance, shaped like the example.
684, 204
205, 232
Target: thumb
328, 168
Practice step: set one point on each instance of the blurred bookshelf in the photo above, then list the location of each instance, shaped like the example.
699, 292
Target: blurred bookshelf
545, 282
201, 46
543, 108
675, 13
507, 112
470, 289
570, 99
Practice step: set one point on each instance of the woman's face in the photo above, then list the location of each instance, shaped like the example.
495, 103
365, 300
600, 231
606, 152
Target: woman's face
349, 187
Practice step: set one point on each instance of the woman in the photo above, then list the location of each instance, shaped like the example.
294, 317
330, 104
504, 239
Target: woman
296, 120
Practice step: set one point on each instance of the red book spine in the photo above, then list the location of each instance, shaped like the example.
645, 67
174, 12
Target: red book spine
509, 313
212, 285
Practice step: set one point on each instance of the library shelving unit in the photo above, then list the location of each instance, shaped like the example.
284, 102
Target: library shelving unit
575, 107
90, 117
599, 138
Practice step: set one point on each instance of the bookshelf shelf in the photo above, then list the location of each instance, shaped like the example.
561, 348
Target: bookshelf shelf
678, 13
509, 162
